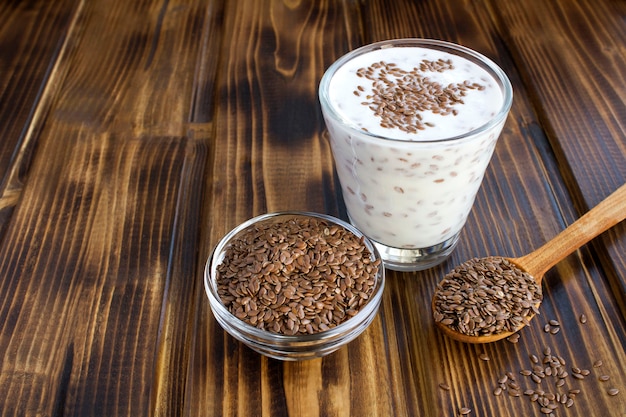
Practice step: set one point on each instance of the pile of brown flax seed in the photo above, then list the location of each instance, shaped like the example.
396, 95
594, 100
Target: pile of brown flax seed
485, 296
296, 276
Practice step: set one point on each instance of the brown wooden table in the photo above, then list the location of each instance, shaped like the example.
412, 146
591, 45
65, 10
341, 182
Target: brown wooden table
135, 134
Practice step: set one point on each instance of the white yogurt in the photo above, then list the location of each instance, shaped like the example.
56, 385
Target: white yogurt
412, 190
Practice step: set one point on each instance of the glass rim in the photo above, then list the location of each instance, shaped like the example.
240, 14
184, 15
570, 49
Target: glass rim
476, 57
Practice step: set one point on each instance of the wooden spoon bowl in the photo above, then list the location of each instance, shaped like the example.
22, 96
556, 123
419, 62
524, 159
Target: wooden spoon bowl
602, 217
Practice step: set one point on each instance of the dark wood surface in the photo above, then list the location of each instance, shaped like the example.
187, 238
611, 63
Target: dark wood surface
135, 134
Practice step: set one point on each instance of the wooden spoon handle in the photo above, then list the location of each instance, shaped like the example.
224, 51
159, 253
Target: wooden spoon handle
602, 217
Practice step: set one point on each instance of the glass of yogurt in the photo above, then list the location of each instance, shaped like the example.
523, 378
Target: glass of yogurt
412, 125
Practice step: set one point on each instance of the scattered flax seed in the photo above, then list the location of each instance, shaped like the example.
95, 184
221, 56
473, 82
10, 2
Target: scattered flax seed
463, 411
514, 393
583, 318
597, 364
484, 357
548, 377
444, 386
552, 327
514, 338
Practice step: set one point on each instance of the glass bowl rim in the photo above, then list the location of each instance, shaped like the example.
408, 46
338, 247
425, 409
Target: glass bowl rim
302, 339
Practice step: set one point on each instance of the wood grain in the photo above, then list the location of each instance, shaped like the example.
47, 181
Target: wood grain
32, 39
87, 279
410, 383
575, 71
134, 135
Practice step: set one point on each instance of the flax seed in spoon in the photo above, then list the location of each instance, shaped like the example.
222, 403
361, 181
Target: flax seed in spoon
488, 299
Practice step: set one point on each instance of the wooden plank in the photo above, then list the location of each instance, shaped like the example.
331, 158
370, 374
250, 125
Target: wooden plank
269, 156
33, 37
99, 253
574, 69
92, 285
258, 123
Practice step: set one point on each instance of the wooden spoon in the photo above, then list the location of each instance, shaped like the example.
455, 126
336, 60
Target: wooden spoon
602, 217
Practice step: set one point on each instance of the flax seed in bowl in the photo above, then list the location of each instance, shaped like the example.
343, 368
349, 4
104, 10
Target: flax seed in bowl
294, 285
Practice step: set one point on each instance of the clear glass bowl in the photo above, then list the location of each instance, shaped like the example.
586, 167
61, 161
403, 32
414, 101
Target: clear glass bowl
300, 346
